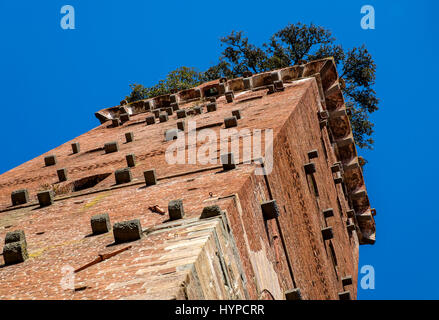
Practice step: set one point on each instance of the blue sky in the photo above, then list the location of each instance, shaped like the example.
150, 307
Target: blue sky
53, 80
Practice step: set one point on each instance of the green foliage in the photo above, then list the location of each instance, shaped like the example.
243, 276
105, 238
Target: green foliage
294, 44
179, 79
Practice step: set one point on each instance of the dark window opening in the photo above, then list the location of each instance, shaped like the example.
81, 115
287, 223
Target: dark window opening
340, 210
334, 258
211, 92
312, 185
89, 182
324, 148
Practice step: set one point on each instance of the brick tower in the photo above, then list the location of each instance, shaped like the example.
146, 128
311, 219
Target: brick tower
108, 216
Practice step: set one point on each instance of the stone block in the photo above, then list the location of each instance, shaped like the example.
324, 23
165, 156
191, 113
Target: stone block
351, 228
237, 114
327, 233
328, 213
228, 161
175, 106
111, 147
222, 88
310, 168
171, 134
115, 123
338, 179
15, 236
173, 98
211, 107
123, 175
45, 198
150, 120
279, 85
19, 197
76, 147
181, 114
156, 113
346, 295
210, 211
198, 110
150, 177
350, 213
313, 154
129, 137
270, 210
100, 223
175, 209
248, 83
163, 117
271, 89
15, 252
169, 111
131, 160
230, 122
124, 117
335, 168
346, 281
181, 125
127, 231
50, 160
293, 294
62, 174
275, 76
230, 96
